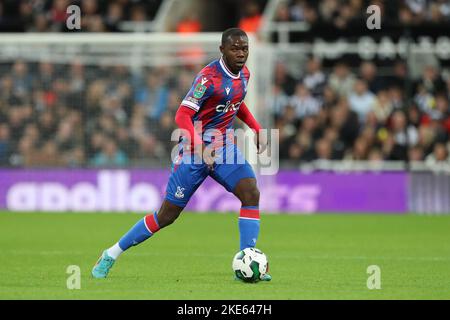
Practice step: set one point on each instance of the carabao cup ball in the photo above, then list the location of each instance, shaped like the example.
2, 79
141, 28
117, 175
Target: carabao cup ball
250, 264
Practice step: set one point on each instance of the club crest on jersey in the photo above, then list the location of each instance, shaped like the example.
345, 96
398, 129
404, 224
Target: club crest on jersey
228, 106
179, 194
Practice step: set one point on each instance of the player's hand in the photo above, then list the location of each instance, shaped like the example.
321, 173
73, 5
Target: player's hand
261, 142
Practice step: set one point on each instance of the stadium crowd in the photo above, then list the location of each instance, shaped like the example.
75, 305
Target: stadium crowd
361, 115
346, 14
51, 15
108, 16
77, 115
74, 115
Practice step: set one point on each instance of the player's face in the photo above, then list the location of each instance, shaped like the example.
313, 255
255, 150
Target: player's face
235, 52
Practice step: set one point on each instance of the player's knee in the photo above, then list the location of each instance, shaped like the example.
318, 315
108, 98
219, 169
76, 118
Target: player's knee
167, 218
250, 197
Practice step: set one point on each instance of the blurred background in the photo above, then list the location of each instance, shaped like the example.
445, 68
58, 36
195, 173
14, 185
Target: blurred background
86, 115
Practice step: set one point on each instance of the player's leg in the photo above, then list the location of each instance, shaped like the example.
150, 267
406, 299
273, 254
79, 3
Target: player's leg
146, 227
240, 179
237, 176
183, 182
140, 232
247, 192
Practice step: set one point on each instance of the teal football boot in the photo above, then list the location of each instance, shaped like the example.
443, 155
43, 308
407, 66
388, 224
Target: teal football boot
103, 265
266, 277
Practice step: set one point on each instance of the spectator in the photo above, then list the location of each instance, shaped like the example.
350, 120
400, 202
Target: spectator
382, 106
138, 13
345, 121
65, 138
5, 144
338, 148
375, 156
283, 14
398, 76
425, 101
402, 134
323, 150
329, 98
342, 80
415, 154
125, 142
40, 23
297, 10
279, 100
426, 138
190, 23
21, 80
314, 79
396, 97
251, 21
359, 151
431, 81
283, 78
328, 9
442, 108
110, 155
75, 158
153, 97
303, 103
47, 156
368, 73
114, 16
295, 152
361, 99
45, 77
58, 13
439, 159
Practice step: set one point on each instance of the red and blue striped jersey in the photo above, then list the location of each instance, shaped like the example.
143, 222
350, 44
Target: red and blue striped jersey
216, 95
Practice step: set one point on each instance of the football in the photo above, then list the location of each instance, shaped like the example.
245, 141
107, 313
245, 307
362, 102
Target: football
250, 264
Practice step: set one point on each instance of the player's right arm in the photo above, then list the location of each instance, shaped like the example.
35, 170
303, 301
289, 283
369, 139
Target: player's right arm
183, 119
202, 88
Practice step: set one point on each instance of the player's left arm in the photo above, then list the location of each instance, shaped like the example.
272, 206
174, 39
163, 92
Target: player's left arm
247, 117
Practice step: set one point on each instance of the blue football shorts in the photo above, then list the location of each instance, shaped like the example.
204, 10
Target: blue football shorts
188, 172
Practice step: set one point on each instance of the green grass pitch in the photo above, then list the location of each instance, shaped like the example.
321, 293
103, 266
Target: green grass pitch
311, 257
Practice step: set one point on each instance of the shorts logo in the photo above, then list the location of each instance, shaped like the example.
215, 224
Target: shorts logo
179, 194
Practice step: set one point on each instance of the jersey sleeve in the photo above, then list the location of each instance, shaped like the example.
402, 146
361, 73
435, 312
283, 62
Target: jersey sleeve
202, 88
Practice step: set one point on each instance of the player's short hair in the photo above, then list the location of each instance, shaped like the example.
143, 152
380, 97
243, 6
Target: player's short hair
231, 32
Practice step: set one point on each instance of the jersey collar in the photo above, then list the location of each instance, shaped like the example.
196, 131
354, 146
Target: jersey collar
227, 71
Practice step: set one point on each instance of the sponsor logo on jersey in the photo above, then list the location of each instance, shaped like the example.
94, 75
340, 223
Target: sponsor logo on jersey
193, 100
227, 89
228, 106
